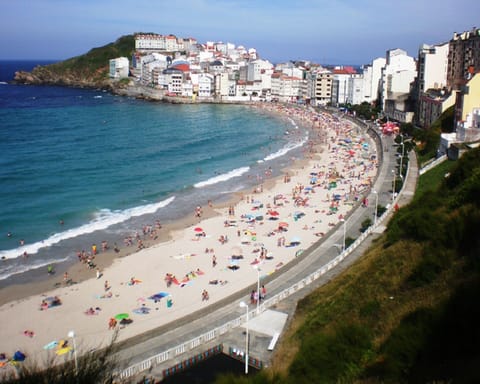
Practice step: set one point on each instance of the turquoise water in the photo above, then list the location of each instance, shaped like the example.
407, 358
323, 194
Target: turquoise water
81, 166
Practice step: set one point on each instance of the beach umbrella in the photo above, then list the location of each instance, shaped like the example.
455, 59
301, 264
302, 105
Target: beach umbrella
273, 213
122, 316
53, 344
295, 240
142, 311
198, 229
283, 224
63, 350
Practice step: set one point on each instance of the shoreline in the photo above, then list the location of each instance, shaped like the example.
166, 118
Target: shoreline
78, 272
181, 252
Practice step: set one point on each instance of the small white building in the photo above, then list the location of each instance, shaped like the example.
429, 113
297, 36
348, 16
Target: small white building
119, 68
205, 85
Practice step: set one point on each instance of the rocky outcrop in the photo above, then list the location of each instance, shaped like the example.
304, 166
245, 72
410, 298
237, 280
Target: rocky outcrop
52, 76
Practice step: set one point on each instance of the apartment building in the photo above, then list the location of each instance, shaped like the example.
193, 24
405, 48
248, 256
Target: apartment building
431, 96
319, 86
398, 76
119, 68
463, 58
467, 110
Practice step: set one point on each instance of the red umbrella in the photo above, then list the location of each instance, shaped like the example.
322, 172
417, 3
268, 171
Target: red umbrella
273, 213
198, 229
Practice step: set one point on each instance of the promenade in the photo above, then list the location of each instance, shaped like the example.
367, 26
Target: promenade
223, 323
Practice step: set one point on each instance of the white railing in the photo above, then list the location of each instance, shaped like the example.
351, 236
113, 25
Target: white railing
433, 164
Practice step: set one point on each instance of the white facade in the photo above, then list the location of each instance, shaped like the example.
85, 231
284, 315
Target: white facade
119, 68
256, 68
340, 88
205, 85
355, 89
432, 67
286, 88
372, 75
397, 75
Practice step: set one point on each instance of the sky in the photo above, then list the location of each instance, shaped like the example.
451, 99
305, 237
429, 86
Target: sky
348, 32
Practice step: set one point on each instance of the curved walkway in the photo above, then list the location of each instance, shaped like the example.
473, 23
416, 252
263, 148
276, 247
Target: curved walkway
151, 353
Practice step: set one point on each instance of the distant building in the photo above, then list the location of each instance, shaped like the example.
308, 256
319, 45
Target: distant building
398, 76
319, 86
431, 95
119, 68
431, 104
372, 75
463, 58
467, 110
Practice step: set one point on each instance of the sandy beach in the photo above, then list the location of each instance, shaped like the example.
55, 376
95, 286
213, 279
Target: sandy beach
201, 259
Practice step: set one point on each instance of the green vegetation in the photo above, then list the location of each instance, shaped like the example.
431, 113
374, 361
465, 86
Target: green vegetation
91, 67
407, 311
428, 140
94, 367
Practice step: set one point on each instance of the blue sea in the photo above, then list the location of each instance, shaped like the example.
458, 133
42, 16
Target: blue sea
80, 166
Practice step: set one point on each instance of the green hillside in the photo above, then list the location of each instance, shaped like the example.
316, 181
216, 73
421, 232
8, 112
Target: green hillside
407, 311
90, 69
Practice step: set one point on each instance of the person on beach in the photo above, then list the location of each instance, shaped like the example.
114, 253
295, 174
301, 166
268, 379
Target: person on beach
205, 295
106, 286
112, 323
214, 261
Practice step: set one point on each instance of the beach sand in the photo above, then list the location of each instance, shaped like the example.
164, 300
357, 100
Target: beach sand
310, 198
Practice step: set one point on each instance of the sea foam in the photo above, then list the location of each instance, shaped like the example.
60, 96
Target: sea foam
102, 220
223, 177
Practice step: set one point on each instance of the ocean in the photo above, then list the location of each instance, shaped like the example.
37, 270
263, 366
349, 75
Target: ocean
80, 166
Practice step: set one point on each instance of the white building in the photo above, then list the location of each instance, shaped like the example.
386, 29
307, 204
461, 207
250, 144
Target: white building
206, 84
119, 68
286, 88
397, 77
355, 89
372, 75
432, 67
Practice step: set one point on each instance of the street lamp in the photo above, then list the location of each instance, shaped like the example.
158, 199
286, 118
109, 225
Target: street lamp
376, 207
344, 233
401, 159
393, 191
71, 334
244, 305
258, 285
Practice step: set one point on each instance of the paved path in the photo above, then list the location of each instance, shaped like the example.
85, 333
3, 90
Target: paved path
171, 335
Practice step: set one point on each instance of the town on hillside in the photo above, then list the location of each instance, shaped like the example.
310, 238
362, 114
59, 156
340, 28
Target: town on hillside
405, 89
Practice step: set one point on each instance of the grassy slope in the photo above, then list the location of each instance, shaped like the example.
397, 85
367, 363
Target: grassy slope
407, 311
92, 66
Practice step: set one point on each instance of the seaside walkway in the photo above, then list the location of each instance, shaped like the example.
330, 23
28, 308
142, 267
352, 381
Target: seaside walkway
221, 325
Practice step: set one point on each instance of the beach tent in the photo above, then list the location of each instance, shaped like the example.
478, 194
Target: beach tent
122, 316
19, 356
158, 296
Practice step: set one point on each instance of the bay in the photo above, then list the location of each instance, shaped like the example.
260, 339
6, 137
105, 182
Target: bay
80, 166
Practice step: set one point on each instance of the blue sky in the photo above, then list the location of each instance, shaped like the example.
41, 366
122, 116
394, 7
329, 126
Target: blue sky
326, 32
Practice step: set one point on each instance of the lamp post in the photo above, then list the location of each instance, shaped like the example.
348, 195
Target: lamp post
344, 233
257, 268
376, 207
393, 191
71, 334
244, 305
401, 159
